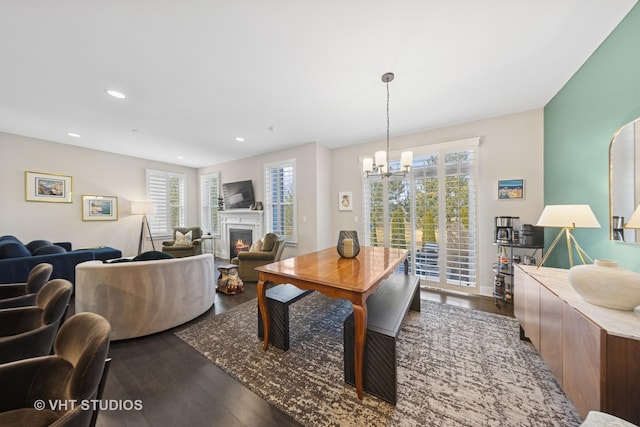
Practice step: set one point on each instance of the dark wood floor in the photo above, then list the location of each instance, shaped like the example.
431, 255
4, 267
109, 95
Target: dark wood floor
178, 386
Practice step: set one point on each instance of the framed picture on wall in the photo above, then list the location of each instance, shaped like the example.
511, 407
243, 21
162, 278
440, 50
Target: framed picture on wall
345, 201
510, 189
99, 208
46, 187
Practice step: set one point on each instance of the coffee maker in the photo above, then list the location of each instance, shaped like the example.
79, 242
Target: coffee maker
504, 228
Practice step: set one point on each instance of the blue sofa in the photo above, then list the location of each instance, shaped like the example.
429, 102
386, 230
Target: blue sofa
17, 259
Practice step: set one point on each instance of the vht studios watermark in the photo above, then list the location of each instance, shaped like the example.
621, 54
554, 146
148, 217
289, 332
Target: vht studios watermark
88, 405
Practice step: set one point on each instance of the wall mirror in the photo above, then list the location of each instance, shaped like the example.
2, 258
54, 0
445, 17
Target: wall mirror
624, 182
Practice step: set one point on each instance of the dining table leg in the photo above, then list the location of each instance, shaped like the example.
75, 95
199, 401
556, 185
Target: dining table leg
264, 311
360, 329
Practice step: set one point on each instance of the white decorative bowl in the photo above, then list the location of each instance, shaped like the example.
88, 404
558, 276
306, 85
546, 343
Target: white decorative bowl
606, 285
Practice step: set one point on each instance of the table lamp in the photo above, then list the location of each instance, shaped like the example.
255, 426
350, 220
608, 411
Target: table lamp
567, 217
634, 221
144, 209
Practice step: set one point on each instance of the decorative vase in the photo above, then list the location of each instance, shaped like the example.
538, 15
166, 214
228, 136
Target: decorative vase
605, 284
348, 245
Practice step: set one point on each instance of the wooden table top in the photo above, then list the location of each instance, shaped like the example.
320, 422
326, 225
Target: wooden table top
326, 267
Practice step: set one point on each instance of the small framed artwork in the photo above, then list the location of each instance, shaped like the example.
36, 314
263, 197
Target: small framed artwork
46, 187
510, 189
99, 208
345, 201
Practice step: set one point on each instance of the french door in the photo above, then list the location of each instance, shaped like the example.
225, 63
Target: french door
432, 213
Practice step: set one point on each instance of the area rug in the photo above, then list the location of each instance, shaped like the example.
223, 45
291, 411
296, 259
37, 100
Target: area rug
456, 367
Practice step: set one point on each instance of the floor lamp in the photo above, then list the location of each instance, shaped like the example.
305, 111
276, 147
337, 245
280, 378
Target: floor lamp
144, 209
567, 218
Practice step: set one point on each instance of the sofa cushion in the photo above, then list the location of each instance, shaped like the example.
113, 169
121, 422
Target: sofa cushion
151, 255
36, 244
183, 239
49, 250
268, 241
13, 249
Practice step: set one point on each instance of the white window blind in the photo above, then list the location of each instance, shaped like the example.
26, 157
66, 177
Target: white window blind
431, 212
209, 193
167, 191
280, 199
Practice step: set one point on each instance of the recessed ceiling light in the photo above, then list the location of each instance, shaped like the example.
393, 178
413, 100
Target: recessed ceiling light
239, 139
116, 94
75, 135
180, 157
272, 128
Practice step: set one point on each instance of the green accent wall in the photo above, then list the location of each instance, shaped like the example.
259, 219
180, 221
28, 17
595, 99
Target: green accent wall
579, 123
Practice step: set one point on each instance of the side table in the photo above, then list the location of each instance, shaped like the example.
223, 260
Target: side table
228, 281
210, 239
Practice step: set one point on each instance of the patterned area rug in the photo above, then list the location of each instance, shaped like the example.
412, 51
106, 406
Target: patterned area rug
456, 367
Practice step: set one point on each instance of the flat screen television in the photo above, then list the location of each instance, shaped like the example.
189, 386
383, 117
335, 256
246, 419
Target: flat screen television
238, 195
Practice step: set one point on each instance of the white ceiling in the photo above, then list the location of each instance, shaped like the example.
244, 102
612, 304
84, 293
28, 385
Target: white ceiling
198, 73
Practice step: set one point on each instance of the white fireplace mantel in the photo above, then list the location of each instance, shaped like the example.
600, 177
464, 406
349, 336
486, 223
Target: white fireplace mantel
245, 219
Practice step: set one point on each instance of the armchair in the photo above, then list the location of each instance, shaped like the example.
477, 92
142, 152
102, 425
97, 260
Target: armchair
187, 241
30, 331
24, 294
72, 374
270, 251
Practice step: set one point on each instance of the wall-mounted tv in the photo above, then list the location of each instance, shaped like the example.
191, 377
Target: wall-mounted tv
238, 195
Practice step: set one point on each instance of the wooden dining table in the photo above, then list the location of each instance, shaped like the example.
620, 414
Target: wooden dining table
326, 271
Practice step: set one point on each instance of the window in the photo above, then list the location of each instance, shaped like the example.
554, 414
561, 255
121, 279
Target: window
280, 199
167, 191
209, 193
431, 212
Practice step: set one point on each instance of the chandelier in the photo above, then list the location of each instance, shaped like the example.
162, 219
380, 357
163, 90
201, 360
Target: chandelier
379, 165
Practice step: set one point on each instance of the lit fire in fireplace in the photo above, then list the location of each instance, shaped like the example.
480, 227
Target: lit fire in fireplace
241, 246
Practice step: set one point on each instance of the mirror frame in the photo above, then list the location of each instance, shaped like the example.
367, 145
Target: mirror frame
636, 202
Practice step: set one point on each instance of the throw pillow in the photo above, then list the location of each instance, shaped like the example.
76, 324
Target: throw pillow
49, 249
183, 239
36, 244
268, 241
257, 246
13, 249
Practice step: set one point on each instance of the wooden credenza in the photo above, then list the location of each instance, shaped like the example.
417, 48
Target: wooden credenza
593, 352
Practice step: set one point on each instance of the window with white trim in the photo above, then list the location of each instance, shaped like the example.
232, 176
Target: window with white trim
280, 199
209, 193
431, 212
167, 192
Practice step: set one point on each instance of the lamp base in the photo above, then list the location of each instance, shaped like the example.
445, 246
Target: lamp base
570, 238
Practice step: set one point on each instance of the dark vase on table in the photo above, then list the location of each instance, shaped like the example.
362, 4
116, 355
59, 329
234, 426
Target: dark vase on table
348, 245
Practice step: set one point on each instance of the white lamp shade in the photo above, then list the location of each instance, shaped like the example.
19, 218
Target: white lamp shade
381, 158
367, 164
573, 216
406, 159
143, 208
634, 221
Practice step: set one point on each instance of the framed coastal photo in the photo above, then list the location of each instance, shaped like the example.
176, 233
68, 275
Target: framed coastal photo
510, 189
46, 187
345, 199
99, 208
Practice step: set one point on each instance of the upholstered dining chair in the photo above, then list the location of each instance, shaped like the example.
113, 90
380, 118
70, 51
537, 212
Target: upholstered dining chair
24, 294
187, 241
267, 250
30, 331
72, 375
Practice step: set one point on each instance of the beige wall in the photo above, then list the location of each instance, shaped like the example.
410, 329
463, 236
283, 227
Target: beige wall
93, 172
510, 147
313, 185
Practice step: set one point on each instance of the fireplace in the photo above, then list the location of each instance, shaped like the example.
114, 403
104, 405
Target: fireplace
240, 240
238, 219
